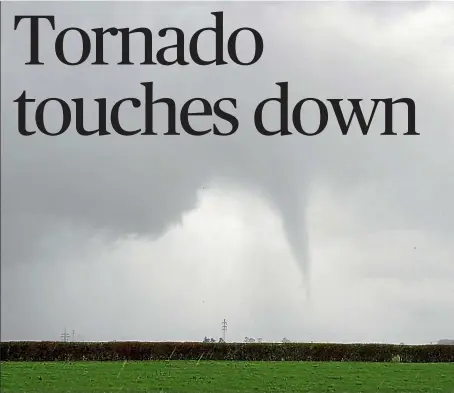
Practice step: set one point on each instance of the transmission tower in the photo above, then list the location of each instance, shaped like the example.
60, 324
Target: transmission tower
65, 336
224, 329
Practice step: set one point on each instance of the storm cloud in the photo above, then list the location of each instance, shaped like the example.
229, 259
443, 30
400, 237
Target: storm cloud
161, 237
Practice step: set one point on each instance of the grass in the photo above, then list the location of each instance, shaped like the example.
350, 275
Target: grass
225, 377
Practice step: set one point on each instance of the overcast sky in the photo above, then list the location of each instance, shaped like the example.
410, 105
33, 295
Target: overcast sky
327, 238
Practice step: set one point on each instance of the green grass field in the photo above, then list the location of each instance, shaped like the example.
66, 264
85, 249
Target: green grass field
223, 377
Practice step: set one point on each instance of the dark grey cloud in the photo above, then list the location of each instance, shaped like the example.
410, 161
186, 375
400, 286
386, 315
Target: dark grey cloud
95, 231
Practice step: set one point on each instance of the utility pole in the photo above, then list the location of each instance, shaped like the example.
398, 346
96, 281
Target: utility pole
73, 335
65, 336
224, 329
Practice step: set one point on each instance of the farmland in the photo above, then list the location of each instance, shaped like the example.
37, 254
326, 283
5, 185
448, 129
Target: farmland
225, 377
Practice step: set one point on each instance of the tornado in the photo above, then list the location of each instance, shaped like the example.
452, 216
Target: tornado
287, 193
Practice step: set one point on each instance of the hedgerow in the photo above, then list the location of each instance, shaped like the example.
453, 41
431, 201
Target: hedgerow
61, 351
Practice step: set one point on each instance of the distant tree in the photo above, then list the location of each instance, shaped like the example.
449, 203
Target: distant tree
445, 342
259, 340
221, 340
285, 340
